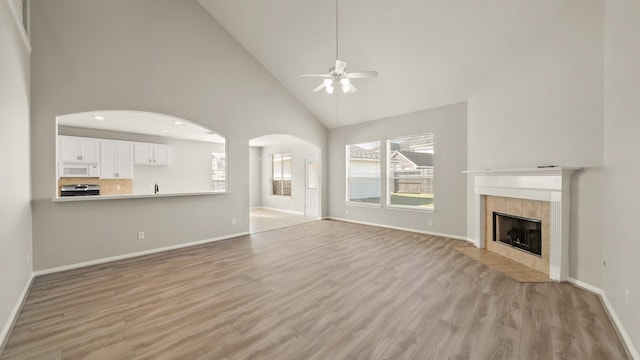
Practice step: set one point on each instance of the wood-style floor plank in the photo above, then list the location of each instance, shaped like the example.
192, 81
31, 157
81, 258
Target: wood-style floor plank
321, 290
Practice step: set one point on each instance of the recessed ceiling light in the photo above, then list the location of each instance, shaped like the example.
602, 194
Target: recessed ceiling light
164, 130
98, 117
177, 122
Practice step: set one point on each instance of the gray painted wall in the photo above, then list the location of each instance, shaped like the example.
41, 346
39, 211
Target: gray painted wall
15, 177
622, 167
299, 151
255, 177
449, 125
161, 56
544, 106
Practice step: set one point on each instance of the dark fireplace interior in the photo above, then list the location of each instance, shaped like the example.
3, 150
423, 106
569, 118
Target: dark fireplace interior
521, 233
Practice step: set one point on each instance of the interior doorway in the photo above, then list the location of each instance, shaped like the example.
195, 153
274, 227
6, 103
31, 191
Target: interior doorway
285, 182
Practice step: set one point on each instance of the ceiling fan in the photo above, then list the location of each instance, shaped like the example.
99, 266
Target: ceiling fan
337, 75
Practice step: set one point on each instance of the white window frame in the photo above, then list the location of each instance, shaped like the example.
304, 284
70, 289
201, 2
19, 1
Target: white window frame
429, 181
348, 200
282, 177
224, 170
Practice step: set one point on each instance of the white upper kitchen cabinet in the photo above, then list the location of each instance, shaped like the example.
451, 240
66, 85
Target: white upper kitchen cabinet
77, 149
151, 154
115, 160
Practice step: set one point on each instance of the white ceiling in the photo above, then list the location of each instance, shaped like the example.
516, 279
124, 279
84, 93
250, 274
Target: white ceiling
141, 122
428, 52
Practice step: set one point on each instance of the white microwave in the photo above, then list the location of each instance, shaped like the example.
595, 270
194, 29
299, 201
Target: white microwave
79, 170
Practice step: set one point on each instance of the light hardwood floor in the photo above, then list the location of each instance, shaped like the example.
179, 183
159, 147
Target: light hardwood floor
261, 219
322, 290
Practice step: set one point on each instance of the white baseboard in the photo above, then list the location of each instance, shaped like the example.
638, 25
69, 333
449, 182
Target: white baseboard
280, 210
11, 321
135, 254
457, 237
633, 352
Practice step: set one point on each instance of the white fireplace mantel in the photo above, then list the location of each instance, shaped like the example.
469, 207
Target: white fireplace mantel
545, 184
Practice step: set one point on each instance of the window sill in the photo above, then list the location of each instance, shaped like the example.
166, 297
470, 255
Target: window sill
358, 204
410, 208
280, 196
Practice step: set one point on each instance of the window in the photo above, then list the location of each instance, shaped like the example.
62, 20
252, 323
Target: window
219, 171
363, 172
410, 171
281, 174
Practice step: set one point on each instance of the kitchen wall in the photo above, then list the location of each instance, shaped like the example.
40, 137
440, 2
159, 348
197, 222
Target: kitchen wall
621, 194
449, 125
189, 169
299, 151
544, 106
162, 56
15, 176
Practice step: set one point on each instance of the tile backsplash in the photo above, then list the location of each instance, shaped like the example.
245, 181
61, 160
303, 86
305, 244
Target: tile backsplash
107, 186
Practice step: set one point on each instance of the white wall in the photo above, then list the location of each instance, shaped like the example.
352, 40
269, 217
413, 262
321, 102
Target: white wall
189, 169
255, 176
299, 151
544, 106
621, 243
162, 56
449, 125
15, 194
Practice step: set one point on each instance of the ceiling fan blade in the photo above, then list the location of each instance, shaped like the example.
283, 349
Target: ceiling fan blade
315, 75
362, 74
319, 88
340, 65
352, 89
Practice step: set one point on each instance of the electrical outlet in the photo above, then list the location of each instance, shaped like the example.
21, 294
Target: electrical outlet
430, 222
626, 297
346, 212
140, 235
234, 221
117, 187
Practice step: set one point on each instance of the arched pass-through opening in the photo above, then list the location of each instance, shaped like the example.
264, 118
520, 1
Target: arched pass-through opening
111, 154
285, 182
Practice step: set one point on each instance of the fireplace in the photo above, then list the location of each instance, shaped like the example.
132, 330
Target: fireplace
514, 191
518, 232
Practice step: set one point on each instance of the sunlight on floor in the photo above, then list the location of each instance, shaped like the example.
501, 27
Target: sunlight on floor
262, 219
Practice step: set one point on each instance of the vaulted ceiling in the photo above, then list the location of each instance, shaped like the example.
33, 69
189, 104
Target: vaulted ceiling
428, 52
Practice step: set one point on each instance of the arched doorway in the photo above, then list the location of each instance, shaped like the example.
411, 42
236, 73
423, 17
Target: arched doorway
284, 182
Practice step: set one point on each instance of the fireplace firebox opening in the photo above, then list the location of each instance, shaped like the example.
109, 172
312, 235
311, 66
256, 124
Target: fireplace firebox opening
518, 232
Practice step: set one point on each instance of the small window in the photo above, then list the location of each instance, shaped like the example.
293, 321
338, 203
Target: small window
219, 171
363, 173
281, 173
410, 172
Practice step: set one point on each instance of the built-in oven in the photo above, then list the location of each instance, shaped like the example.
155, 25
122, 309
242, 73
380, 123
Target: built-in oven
80, 190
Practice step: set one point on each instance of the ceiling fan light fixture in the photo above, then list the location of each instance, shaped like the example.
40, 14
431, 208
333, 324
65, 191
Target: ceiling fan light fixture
346, 85
337, 74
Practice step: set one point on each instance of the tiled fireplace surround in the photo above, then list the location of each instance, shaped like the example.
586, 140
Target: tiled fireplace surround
539, 193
